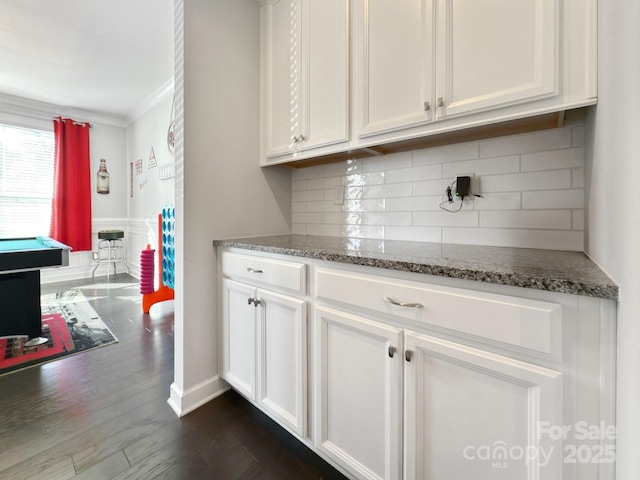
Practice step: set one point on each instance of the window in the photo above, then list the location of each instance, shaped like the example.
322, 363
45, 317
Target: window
26, 181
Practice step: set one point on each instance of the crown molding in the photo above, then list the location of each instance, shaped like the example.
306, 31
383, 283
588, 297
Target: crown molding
165, 90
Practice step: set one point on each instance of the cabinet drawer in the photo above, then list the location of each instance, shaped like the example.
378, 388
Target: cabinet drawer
522, 323
265, 271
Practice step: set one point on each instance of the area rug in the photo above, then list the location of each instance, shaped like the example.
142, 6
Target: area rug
69, 324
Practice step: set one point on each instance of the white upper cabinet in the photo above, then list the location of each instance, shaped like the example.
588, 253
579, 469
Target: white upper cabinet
497, 53
394, 65
486, 55
305, 75
344, 77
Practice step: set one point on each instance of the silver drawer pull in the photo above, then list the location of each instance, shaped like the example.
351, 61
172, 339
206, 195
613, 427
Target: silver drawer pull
401, 304
251, 270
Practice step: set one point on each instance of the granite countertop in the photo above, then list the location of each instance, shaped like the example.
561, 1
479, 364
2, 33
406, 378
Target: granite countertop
550, 270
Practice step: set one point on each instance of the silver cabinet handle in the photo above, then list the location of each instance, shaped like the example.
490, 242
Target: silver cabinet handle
294, 139
427, 107
392, 351
251, 270
401, 304
255, 301
440, 102
408, 355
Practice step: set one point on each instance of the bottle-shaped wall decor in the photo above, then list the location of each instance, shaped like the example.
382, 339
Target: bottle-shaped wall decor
103, 177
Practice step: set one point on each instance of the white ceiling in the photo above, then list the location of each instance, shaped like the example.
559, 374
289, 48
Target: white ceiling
104, 56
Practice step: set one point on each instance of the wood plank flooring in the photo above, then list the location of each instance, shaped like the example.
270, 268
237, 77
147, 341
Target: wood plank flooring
103, 414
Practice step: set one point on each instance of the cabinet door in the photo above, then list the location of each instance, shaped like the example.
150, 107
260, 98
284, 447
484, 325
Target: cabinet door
357, 400
239, 337
473, 414
282, 89
282, 362
394, 64
497, 53
306, 74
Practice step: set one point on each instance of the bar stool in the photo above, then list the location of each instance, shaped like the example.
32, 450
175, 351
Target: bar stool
111, 250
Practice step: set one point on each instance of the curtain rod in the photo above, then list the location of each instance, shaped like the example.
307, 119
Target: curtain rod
57, 119
41, 117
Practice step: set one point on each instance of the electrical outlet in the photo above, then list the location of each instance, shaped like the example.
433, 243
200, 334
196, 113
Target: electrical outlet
338, 195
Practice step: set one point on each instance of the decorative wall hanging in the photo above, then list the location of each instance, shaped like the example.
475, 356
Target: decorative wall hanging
103, 177
139, 166
152, 159
171, 133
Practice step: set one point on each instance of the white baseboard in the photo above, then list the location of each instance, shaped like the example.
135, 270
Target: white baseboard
183, 402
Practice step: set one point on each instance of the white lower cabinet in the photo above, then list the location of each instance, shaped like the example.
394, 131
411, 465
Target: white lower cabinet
265, 351
414, 377
393, 403
357, 421
470, 414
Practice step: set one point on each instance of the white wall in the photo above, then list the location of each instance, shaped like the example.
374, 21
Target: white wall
532, 185
149, 192
613, 220
220, 189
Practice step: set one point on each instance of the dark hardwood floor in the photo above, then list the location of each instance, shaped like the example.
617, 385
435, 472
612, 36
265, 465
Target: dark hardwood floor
103, 414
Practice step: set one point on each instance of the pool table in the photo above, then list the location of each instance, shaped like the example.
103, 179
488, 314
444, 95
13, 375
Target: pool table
20, 262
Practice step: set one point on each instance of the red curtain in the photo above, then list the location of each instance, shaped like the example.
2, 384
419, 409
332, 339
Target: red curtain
71, 206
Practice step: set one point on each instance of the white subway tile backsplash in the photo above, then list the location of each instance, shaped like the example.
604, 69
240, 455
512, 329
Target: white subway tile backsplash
578, 219
511, 237
532, 186
488, 166
538, 219
526, 143
445, 219
577, 178
413, 234
323, 206
577, 136
499, 201
361, 179
520, 182
363, 231
552, 199
298, 207
431, 187
387, 218
556, 159
388, 190
307, 196
307, 173
398, 160
414, 204
324, 230
413, 174
316, 217
449, 153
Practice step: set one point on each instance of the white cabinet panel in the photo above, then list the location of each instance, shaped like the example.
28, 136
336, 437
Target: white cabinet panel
283, 359
239, 337
358, 394
265, 271
496, 53
305, 74
526, 324
394, 64
462, 404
